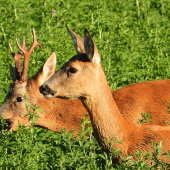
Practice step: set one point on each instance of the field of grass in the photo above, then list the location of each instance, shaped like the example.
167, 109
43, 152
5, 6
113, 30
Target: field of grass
133, 39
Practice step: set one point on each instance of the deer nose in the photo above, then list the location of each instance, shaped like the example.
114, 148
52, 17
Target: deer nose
45, 89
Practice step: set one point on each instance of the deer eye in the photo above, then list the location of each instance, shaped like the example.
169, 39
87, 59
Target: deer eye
20, 99
72, 70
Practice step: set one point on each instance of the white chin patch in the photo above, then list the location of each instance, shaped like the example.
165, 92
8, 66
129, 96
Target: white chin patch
48, 96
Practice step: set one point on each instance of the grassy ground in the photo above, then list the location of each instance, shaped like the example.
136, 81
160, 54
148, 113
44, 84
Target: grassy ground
133, 38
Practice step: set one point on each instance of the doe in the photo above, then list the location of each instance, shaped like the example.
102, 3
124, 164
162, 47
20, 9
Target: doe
82, 77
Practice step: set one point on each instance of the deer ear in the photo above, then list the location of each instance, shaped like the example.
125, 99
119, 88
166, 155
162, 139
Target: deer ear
90, 48
47, 70
77, 41
13, 73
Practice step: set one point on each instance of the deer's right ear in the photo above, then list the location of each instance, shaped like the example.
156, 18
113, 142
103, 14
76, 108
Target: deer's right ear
77, 41
47, 70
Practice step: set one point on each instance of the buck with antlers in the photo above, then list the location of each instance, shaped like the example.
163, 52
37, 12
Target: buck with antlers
58, 113
82, 77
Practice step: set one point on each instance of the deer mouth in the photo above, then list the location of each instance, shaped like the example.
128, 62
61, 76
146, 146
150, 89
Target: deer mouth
51, 95
8, 124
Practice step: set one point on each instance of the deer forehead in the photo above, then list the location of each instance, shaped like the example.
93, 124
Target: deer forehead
77, 64
80, 58
17, 88
79, 61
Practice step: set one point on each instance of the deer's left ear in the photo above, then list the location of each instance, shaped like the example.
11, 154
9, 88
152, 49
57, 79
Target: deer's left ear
77, 41
90, 48
47, 70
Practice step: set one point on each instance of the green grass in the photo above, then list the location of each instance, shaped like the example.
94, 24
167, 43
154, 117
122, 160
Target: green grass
133, 38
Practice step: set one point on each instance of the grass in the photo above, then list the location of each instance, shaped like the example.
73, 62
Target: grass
133, 38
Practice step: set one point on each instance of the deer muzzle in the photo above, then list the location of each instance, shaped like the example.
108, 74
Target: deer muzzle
46, 91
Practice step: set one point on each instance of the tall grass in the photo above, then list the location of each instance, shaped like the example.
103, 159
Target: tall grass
133, 38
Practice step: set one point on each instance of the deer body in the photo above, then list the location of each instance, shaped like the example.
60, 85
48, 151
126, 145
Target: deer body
82, 77
108, 123
150, 96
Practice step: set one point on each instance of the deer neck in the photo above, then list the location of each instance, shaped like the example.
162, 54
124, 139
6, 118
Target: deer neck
106, 119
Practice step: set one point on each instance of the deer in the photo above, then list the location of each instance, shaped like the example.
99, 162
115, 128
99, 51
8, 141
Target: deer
82, 77
132, 100
58, 114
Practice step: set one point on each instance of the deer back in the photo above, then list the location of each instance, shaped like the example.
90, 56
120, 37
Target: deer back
151, 96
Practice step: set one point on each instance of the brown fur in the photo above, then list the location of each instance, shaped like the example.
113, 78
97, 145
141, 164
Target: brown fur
150, 96
90, 85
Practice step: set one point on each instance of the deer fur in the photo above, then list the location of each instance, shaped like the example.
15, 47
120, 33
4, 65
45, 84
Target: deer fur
82, 77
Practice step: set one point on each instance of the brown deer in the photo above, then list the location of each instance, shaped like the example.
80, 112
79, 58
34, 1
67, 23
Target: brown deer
82, 77
151, 96
58, 113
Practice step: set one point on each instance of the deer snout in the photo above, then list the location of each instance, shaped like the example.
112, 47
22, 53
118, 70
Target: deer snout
46, 91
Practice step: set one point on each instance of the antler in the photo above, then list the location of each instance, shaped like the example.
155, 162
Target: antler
27, 54
17, 58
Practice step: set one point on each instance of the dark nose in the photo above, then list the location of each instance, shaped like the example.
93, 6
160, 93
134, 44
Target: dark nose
44, 89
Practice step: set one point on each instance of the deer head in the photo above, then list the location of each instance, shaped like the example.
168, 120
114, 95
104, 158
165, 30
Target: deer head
67, 82
13, 109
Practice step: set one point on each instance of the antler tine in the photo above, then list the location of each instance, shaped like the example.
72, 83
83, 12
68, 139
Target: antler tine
23, 42
23, 45
35, 40
27, 54
13, 54
22, 49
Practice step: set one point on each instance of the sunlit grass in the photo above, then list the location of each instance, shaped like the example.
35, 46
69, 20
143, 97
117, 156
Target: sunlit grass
133, 38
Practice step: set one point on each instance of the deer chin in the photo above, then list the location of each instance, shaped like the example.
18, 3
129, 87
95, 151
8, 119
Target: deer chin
50, 95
